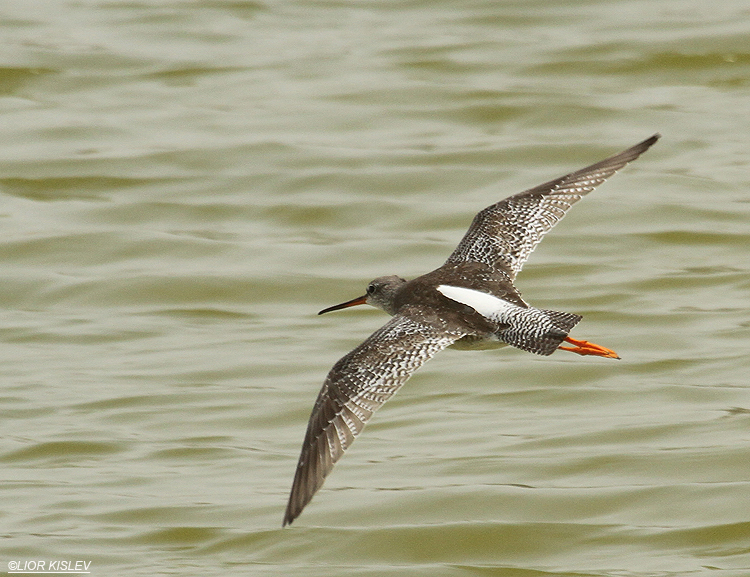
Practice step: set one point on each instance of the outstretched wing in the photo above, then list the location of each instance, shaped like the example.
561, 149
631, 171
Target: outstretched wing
506, 233
354, 389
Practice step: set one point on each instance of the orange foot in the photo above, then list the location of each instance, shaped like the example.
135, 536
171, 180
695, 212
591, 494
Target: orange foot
587, 348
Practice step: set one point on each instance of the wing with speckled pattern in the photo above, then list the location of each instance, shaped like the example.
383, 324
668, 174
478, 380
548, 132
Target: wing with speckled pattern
507, 232
354, 389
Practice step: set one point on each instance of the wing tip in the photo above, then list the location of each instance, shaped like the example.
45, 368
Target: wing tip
298, 500
630, 154
646, 144
653, 138
614, 163
289, 514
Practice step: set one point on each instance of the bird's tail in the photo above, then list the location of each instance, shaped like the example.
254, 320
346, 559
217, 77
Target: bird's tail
541, 338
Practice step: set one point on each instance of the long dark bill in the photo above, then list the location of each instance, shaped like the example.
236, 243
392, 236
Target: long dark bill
354, 302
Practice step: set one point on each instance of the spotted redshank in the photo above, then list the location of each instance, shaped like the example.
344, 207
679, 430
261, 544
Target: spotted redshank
469, 302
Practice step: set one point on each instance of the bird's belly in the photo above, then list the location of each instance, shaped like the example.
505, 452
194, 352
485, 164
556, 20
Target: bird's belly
478, 343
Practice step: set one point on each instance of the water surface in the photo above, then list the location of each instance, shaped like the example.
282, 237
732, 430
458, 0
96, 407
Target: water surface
185, 184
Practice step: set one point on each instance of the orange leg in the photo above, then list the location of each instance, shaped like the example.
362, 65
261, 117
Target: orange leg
587, 348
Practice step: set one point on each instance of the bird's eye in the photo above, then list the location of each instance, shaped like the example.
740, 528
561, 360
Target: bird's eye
370, 289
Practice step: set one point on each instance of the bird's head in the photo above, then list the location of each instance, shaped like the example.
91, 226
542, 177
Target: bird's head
381, 293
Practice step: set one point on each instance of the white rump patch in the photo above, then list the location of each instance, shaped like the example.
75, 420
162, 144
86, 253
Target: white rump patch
485, 304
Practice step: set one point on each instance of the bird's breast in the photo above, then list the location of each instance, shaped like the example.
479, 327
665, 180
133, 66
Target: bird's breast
478, 343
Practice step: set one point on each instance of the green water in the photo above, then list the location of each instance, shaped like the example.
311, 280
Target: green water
185, 184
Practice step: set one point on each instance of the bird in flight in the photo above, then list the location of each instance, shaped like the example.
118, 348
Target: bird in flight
469, 302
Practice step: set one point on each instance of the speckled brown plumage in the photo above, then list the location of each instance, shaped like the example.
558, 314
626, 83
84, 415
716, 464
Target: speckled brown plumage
468, 302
